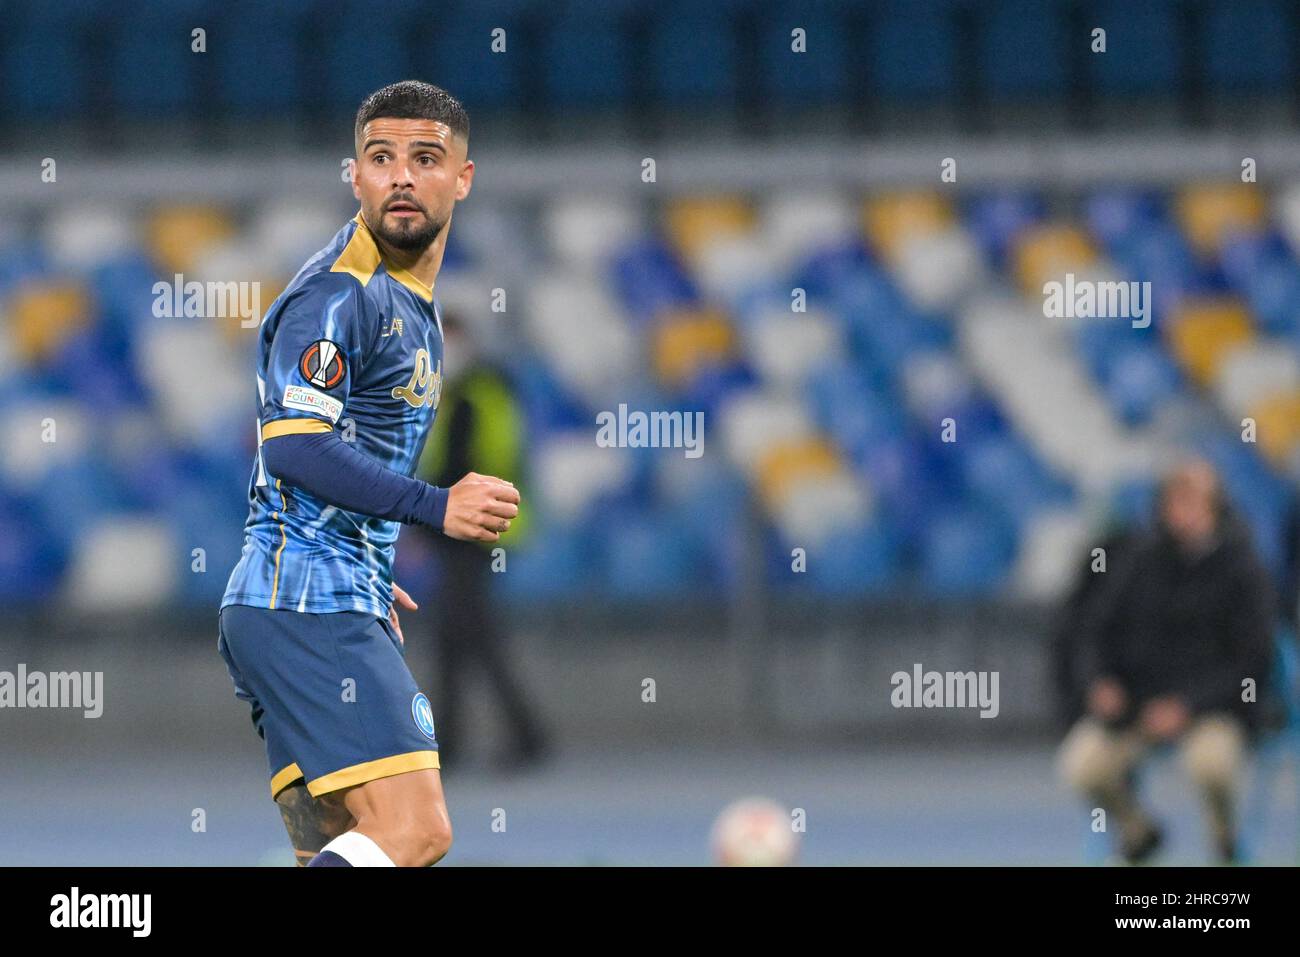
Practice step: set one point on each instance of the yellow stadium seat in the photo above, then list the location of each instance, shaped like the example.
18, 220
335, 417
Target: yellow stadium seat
787, 465
1046, 253
178, 235
685, 340
1211, 212
43, 316
693, 223
1204, 332
1277, 425
891, 219
233, 328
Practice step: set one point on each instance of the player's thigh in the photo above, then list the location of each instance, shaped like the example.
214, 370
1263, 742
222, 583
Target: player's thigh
312, 822
402, 804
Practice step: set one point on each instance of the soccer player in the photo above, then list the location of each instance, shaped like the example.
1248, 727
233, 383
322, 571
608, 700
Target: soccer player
349, 376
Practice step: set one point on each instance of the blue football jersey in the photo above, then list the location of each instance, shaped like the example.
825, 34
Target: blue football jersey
354, 346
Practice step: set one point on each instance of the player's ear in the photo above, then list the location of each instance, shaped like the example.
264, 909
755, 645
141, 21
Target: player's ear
352, 173
465, 180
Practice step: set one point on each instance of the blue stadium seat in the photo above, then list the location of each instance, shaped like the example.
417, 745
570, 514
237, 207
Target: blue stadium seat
593, 73
154, 71
1159, 254
457, 54
711, 386
20, 263
694, 56
1023, 48
1139, 381
965, 551
857, 563
997, 218
45, 73
854, 411
1261, 495
912, 50
1260, 266
556, 561
648, 279
1002, 474
1144, 47
364, 52
819, 74
1248, 46
1116, 215
822, 273
31, 563
72, 497
260, 59
642, 556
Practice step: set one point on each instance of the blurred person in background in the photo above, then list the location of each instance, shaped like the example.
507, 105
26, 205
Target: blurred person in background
480, 429
1168, 638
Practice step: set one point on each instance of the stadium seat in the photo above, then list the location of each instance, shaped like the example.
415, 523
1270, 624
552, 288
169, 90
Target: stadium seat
818, 507
755, 421
965, 552
643, 557
1253, 373
912, 50
259, 60
820, 74
1138, 381
1144, 49
125, 562
362, 52
1211, 213
650, 279
1249, 45
997, 220
1046, 253
799, 223
1053, 543
156, 42
935, 271
1019, 49
784, 347
1203, 332
585, 232
692, 224
686, 340
1277, 420
177, 235
580, 332
594, 73
1117, 215
890, 220
693, 56
44, 315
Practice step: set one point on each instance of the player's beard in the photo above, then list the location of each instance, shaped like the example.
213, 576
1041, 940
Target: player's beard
409, 236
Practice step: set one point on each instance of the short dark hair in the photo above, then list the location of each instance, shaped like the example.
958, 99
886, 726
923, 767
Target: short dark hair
413, 100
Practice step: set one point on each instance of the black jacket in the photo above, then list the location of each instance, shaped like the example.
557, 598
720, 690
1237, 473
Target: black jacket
1165, 622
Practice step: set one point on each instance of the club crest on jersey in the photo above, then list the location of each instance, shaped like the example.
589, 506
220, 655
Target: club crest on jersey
322, 364
422, 712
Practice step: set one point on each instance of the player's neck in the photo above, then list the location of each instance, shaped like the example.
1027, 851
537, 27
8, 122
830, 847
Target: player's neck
422, 264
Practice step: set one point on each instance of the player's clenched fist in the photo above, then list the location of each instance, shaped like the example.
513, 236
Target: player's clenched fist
479, 508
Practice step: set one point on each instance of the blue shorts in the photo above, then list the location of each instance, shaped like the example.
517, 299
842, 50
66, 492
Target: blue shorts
331, 695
